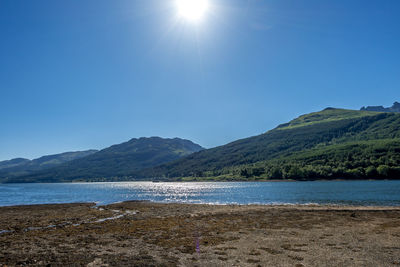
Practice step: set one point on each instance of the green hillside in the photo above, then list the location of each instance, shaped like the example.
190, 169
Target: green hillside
19, 166
330, 144
327, 115
333, 143
115, 162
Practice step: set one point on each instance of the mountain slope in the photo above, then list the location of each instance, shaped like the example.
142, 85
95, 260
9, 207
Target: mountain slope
117, 160
330, 144
334, 129
13, 163
20, 166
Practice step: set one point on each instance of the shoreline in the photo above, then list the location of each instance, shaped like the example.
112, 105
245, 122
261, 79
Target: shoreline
205, 180
321, 206
156, 234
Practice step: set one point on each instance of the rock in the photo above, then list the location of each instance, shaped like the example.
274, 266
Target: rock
394, 108
98, 262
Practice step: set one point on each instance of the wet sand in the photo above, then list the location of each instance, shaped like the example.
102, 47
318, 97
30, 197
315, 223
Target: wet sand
150, 234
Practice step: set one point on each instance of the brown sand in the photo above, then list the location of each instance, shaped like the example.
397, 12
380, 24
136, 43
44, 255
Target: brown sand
149, 234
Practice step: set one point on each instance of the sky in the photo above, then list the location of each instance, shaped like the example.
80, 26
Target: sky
86, 74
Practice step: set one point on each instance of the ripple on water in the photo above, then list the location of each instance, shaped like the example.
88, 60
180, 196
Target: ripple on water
379, 193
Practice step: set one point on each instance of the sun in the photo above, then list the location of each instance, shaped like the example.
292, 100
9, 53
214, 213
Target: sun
192, 10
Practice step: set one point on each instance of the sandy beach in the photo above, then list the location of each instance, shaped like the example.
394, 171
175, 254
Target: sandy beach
151, 234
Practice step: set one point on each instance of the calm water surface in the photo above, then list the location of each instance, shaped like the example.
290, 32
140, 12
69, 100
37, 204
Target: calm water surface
383, 193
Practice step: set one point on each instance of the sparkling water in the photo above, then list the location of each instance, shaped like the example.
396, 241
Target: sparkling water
379, 193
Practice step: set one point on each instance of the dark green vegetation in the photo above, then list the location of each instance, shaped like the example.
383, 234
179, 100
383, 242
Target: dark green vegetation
115, 162
331, 144
20, 166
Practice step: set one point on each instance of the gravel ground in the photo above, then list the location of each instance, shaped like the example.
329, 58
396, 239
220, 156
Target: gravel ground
151, 234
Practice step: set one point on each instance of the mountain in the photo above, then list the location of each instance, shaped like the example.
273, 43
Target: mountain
116, 161
13, 163
20, 166
394, 108
330, 144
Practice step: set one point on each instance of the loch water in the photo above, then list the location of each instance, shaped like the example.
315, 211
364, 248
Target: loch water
366, 193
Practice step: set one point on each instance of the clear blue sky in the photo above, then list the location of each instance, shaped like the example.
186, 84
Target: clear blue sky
84, 74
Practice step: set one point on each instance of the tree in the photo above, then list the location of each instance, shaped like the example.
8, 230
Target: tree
383, 170
371, 172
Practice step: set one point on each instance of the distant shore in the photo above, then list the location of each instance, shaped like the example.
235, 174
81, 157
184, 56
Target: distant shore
155, 234
208, 180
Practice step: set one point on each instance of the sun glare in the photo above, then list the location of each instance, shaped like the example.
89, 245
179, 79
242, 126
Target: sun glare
192, 10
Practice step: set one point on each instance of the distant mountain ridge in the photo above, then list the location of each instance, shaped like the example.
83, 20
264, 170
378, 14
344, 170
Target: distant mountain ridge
13, 163
330, 144
21, 166
116, 161
394, 108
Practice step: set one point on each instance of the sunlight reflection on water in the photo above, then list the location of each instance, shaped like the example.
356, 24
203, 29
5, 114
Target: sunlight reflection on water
327, 192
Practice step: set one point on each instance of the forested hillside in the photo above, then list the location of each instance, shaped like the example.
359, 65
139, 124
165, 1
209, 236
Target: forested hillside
333, 143
115, 162
19, 166
330, 144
